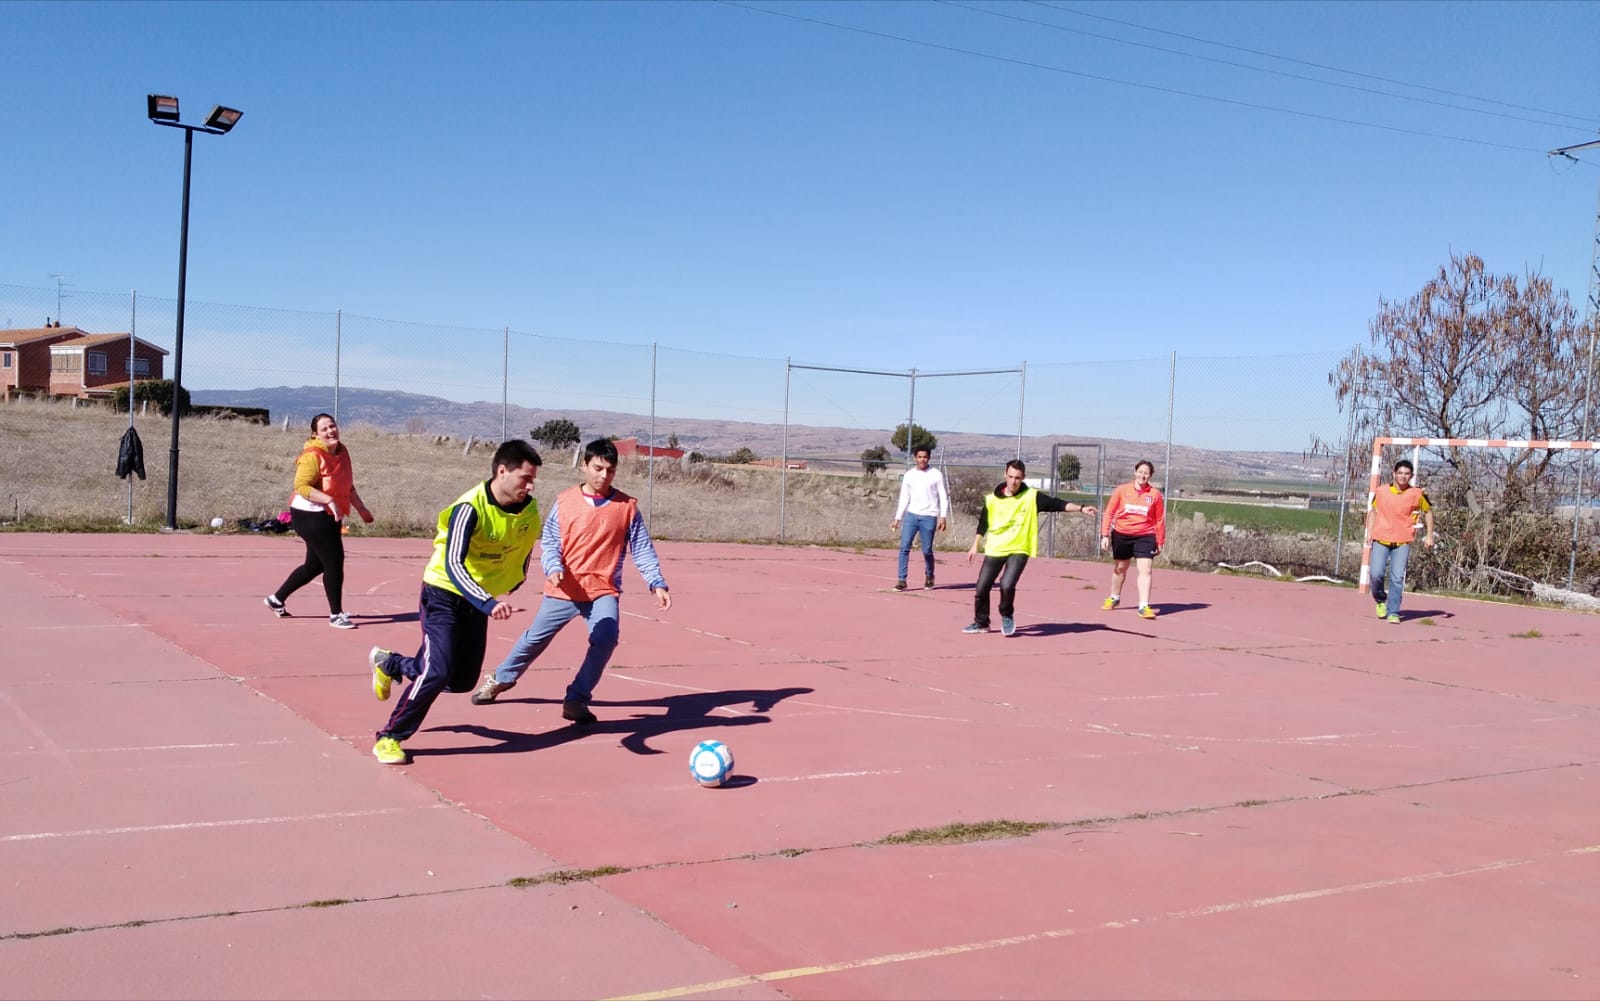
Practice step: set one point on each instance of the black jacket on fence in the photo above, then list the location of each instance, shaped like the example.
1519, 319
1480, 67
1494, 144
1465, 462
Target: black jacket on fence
130, 455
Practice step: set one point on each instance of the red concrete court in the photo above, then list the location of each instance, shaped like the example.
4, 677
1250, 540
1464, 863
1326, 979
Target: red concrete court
1265, 792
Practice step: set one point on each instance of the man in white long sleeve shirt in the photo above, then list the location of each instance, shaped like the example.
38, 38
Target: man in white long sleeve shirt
923, 508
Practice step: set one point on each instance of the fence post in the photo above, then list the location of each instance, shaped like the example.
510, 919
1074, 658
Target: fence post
1172, 403
1344, 489
650, 482
783, 472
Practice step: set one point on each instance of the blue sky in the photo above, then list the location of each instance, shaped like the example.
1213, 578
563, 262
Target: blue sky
945, 185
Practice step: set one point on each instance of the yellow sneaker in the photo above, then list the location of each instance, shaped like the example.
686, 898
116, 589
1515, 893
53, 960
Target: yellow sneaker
389, 751
380, 678
1109, 603
1146, 612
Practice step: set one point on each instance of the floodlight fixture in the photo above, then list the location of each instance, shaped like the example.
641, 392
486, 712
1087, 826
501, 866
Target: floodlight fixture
162, 108
222, 119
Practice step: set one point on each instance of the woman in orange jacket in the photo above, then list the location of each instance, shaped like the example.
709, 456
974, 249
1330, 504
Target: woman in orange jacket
1134, 528
324, 492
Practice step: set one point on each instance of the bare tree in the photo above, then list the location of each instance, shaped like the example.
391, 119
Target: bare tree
1476, 355
1472, 355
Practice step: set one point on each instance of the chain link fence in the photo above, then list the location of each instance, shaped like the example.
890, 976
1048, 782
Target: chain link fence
1225, 433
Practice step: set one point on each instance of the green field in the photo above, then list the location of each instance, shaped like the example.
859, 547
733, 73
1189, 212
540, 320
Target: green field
1247, 517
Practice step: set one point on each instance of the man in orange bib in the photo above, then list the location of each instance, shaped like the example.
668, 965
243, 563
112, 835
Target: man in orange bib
1394, 526
587, 533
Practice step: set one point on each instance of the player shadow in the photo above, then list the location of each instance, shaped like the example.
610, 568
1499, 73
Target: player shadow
689, 711
1073, 628
1164, 609
392, 617
1407, 614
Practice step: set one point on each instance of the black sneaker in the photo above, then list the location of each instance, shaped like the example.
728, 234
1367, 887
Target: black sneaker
899, 585
578, 713
278, 608
928, 583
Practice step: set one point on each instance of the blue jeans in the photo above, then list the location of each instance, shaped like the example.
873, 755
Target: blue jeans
910, 527
1391, 563
602, 616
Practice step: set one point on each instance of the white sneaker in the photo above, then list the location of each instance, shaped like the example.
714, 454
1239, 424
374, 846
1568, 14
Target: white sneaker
490, 690
341, 621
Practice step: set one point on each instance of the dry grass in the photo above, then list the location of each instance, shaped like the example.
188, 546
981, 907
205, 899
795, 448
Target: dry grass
57, 473
58, 462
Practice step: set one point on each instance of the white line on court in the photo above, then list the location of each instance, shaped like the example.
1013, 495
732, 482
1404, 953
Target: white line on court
79, 628
1169, 695
1055, 933
156, 747
27, 721
202, 824
836, 775
1312, 738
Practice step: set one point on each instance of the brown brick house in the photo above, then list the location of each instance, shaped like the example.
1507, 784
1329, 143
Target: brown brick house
94, 365
25, 358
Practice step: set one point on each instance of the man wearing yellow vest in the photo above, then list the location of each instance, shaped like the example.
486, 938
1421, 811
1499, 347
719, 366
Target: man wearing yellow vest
1394, 526
588, 532
481, 551
1010, 519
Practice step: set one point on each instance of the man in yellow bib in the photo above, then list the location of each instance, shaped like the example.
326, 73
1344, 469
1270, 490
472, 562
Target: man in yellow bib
481, 551
1010, 519
1394, 526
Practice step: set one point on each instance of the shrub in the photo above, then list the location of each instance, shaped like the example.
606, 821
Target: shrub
874, 460
968, 487
250, 415
157, 391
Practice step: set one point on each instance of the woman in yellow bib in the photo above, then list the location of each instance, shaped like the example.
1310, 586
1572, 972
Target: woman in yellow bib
1010, 519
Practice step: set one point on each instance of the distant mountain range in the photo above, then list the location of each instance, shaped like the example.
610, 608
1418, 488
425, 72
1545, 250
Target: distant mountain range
416, 413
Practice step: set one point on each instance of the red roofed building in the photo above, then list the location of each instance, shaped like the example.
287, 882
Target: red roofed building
631, 446
25, 358
92, 366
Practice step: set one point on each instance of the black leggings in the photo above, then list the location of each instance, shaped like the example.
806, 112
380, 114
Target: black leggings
990, 570
324, 555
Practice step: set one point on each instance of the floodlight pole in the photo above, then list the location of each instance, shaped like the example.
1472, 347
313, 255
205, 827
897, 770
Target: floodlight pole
217, 123
177, 346
1593, 315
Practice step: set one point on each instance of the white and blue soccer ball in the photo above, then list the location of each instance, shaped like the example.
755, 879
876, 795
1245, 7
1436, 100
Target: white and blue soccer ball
711, 763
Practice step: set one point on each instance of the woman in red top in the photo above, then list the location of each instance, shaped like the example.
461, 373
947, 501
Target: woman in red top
1134, 528
324, 492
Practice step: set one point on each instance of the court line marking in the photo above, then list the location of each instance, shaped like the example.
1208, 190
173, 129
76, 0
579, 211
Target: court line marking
157, 747
1055, 933
54, 749
203, 824
80, 628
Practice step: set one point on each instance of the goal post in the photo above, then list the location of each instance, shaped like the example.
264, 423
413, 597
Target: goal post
1377, 473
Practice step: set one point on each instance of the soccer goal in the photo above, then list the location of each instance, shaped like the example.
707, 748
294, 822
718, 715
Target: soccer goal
1377, 472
